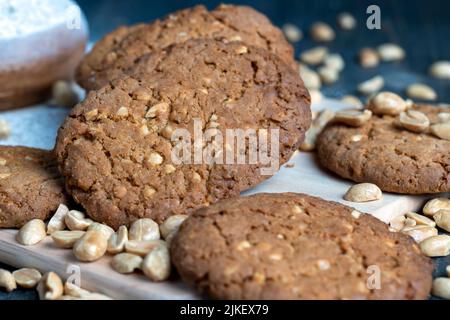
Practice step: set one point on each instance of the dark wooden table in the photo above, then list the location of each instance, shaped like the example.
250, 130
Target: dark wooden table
421, 27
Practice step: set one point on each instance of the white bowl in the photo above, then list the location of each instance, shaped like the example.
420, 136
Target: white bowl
41, 41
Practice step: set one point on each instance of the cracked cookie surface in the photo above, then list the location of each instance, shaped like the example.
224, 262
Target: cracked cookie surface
30, 185
294, 246
115, 148
119, 50
391, 157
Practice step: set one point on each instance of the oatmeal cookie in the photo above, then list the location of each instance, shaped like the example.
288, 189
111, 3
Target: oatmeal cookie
115, 149
294, 246
119, 50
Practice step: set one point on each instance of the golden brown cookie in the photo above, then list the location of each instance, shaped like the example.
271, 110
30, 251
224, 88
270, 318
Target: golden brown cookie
116, 148
383, 153
294, 246
30, 185
119, 50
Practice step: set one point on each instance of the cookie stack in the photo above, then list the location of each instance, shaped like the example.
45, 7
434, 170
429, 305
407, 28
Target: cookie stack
115, 149
153, 86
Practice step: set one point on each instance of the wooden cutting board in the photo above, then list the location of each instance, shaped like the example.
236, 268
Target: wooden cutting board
302, 175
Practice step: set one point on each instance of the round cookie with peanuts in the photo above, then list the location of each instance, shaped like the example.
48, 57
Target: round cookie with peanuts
112, 56
30, 185
404, 152
294, 246
157, 143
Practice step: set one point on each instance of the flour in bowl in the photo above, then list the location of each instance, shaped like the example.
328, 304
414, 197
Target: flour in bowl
22, 17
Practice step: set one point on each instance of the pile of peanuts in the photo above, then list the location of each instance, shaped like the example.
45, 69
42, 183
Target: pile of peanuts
422, 228
143, 247
383, 103
49, 286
